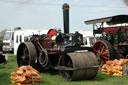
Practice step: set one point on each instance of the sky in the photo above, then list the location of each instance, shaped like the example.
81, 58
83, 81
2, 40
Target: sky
46, 14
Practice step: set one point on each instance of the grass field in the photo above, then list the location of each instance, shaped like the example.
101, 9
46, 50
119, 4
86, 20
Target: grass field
56, 79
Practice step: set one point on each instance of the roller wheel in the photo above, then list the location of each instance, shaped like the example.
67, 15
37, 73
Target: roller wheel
104, 51
79, 60
26, 54
67, 75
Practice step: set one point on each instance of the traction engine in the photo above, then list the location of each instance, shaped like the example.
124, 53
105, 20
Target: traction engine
59, 51
114, 41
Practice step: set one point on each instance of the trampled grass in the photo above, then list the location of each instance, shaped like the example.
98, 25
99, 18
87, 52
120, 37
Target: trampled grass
56, 79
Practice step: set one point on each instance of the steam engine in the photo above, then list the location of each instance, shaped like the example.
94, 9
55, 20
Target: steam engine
59, 51
118, 38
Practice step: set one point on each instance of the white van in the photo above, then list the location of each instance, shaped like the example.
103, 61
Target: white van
8, 41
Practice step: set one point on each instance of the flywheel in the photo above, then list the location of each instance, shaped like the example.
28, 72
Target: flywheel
26, 54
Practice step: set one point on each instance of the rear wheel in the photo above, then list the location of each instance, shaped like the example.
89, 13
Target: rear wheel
26, 54
104, 51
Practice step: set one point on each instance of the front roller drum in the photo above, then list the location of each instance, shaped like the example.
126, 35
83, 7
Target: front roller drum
85, 63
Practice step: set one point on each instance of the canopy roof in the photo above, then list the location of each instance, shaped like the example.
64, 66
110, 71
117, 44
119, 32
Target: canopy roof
118, 19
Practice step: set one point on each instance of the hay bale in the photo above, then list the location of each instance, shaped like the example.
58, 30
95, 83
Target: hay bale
25, 75
114, 67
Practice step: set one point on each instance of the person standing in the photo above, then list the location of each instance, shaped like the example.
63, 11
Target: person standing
2, 57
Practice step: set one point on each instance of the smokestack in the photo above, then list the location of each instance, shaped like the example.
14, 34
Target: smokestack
66, 17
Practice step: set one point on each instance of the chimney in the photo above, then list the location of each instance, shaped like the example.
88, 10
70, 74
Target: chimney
66, 17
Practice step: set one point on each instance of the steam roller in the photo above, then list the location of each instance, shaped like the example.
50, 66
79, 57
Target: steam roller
63, 52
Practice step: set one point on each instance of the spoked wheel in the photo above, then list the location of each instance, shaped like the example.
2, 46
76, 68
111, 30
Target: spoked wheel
26, 54
104, 51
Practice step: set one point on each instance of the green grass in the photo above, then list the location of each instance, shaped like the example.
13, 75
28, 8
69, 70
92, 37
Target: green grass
56, 79
1, 40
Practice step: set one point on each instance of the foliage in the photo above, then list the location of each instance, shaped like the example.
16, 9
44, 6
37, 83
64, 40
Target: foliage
1, 40
56, 79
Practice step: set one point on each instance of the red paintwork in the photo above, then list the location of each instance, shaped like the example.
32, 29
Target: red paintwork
101, 51
47, 43
112, 30
51, 32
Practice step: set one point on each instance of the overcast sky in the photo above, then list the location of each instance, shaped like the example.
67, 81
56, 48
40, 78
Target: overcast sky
40, 14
